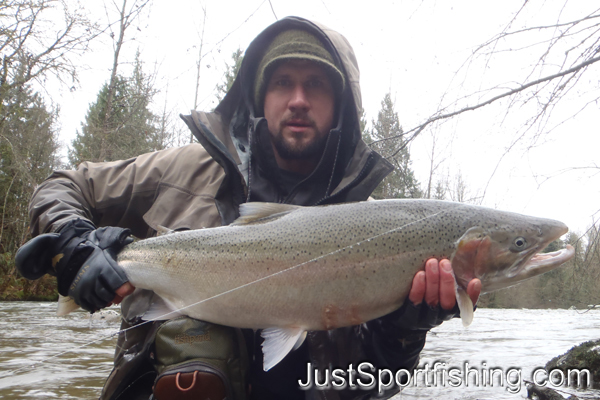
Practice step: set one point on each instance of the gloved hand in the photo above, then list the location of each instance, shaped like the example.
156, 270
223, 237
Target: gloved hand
420, 317
82, 258
395, 340
430, 302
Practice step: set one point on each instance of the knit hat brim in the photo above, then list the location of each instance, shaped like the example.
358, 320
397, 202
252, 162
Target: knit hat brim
294, 45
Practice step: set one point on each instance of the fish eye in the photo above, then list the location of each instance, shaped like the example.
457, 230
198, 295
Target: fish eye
519, 244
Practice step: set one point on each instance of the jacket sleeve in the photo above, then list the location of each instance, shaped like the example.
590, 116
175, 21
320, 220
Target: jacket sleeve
107, 194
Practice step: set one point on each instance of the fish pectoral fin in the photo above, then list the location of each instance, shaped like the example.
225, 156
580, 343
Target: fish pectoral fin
65, 305
465, 305
278, 343
262, 212
160, 310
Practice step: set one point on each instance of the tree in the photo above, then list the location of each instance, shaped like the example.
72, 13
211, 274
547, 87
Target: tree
566, 48
39, 39
555, 82
386, 138
231, 71
28, 154
131, 128
34, 43
126, 18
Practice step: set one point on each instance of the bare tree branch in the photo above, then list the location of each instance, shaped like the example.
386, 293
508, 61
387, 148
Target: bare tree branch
411, 134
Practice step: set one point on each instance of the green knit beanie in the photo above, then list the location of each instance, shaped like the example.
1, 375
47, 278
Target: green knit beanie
294, 44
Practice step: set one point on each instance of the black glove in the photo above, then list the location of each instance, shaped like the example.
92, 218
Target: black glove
395, 340
82, 258
421, 317
410, 320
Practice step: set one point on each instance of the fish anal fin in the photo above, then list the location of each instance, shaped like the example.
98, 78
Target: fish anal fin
261, 212
279, 342
465, 305
66, 305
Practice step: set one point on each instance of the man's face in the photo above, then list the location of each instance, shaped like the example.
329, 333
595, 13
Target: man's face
299, 108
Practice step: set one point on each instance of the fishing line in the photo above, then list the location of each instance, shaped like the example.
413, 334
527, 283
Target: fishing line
230, 291
292, 267
30, 366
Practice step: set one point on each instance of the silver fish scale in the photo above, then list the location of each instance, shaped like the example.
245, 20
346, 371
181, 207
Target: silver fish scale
315, 267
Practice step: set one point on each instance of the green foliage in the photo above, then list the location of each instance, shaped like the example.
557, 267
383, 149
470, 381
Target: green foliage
125, 128
39, 39
439, 192
28, 147
231, 71
28, 154
386, 137
582, 356
13, 287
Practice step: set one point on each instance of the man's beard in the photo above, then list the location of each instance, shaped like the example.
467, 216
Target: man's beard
299, 151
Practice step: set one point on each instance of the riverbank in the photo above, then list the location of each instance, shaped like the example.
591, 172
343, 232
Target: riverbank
585, 356
15, 288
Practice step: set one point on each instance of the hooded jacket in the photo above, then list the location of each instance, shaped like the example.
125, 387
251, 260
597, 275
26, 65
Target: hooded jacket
202, 185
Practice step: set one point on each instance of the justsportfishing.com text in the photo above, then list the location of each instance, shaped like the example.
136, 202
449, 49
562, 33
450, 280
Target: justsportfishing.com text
365, 376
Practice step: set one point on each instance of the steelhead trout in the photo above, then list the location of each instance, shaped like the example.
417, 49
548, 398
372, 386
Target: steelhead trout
289, 269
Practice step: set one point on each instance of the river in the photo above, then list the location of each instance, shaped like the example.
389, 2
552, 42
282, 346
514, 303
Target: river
43, 356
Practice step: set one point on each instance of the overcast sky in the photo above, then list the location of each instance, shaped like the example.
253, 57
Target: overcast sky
416, 50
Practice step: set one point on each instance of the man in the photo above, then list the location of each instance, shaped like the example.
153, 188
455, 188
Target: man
288, 131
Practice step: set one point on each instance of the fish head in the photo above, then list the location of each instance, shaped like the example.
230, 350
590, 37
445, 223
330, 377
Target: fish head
505, 253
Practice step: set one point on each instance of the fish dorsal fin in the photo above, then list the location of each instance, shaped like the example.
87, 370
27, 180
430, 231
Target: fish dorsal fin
279, 342
261, 212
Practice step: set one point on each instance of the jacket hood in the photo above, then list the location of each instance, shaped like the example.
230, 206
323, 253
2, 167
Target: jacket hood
348, 170
237, 106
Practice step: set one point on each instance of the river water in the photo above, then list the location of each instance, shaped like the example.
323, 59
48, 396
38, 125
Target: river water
43, 356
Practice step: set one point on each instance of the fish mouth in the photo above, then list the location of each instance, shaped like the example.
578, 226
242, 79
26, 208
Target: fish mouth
541, 263
538, 264
549, 260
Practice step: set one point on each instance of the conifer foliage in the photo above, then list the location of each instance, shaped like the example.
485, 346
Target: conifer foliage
386, 137
128, 129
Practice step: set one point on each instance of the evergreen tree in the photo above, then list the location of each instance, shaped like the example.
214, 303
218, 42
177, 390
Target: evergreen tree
131, 128
385, 137
439, 192
231, 71
28, 154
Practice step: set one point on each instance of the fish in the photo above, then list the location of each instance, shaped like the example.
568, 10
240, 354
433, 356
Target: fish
289, 269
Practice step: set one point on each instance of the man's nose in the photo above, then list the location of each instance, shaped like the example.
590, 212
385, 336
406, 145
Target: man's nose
299, 99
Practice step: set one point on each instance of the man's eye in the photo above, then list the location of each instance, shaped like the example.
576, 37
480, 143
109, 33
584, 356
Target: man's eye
282, 82
314, 83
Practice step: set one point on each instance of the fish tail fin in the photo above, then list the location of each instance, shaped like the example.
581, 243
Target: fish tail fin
66, 305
